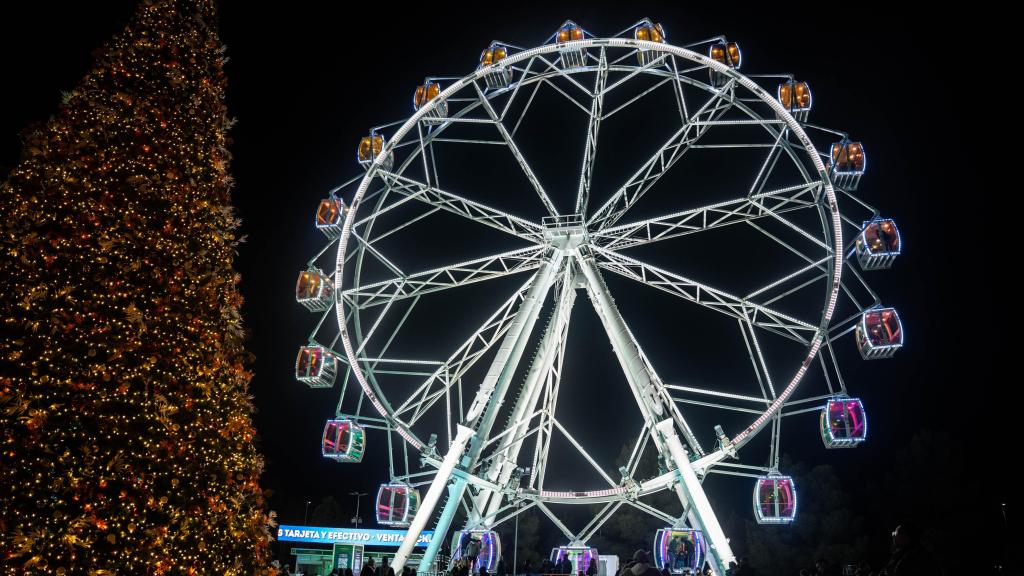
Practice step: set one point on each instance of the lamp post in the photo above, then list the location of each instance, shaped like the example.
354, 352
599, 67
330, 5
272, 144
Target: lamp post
305, 515
515, 544
517, 476
357, 519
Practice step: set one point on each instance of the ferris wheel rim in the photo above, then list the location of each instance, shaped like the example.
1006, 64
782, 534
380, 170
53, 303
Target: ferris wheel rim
379, 400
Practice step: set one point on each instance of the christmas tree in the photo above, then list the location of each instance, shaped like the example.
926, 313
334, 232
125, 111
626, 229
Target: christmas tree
126, 441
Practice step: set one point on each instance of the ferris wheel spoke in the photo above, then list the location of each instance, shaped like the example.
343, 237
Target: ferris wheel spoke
445, 277
660, 162
583, 451
638, 450
451, 371
510, 142
599, 520
738, 210
561, 73
634, 99
705, 295
777, 216
593, 129
819, 265
757, 362
677, 89
411, 189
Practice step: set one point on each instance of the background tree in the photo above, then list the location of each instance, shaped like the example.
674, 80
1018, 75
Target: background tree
927, 484
828, 526
328, 513
125, 424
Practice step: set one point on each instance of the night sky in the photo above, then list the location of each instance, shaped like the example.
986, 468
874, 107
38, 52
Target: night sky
307, 80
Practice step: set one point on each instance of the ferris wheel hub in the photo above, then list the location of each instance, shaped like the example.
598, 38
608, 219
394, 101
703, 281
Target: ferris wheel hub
565, 232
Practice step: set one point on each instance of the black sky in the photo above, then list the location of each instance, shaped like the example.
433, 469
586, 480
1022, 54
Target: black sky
306, 80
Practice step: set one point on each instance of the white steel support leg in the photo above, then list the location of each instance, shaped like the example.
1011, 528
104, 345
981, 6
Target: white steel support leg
701, 513
456, 487
641, 380
508, 451
647, 387
483, 411
426, 507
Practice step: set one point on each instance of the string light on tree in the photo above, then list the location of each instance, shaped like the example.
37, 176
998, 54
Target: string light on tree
125, 422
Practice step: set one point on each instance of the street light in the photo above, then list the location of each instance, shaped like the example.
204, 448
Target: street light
357, 519
305, 516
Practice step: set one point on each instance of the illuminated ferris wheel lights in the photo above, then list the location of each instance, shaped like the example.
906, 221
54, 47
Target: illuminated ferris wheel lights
878, 244
879, 333
571, 250
844, 423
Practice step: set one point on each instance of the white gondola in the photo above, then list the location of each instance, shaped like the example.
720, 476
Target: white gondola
878, 244
499, 76
343, 441
330, 215
485, 544
727, 53
314, 290
796, 98
581, 557
774, 499
426, 92
316, 366
848, 163
679, 550
844, 423
370, 147
879, 333
572, 56
651, 32
397, 503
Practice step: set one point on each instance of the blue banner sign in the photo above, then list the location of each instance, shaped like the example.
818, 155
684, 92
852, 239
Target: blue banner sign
321, 535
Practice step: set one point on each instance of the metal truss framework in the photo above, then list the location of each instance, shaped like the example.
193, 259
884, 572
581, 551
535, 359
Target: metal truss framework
565, 253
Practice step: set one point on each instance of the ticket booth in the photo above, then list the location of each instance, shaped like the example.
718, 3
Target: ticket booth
348, 556
341, 548
313, 561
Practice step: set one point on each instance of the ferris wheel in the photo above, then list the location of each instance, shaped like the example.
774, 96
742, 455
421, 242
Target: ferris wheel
452, 230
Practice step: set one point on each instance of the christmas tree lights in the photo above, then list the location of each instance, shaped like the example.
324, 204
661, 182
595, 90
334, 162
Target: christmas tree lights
126, 441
